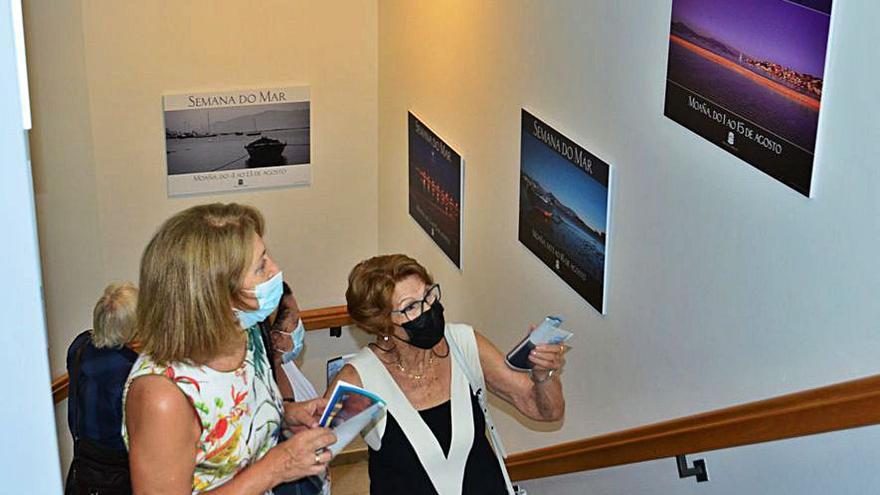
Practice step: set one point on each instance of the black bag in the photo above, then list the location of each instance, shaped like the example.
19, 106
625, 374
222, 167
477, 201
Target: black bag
95, 469
306, 486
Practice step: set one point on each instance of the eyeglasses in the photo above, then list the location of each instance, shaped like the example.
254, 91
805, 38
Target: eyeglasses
415, 309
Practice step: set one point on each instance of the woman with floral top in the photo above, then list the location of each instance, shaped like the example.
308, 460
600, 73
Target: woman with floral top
202, 411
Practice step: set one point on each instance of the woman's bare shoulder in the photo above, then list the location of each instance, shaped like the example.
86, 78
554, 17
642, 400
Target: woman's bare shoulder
156, 398
349, 374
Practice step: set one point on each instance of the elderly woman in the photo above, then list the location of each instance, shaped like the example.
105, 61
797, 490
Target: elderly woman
98, 362
433, 438
202, 412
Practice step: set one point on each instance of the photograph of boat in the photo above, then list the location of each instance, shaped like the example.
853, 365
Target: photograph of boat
435, 188
226, 141
563, 208
265, 152
218, 139
748, 76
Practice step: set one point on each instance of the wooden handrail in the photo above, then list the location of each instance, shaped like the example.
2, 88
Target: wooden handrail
313, 319
321, 318
836, 407
59, 388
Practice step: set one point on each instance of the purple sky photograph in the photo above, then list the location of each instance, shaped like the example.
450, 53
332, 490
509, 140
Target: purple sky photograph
780, 31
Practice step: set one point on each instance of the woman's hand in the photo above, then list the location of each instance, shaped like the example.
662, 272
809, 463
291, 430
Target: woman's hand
304, 454
547, 358
301, 416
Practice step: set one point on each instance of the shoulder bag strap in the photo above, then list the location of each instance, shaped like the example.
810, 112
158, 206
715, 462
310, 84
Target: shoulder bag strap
72, 390
479, 387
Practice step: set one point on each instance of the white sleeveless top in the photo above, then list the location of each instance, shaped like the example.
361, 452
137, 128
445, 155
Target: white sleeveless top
446, 473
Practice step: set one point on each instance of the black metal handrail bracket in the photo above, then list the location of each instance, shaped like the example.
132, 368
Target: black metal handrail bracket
699, 470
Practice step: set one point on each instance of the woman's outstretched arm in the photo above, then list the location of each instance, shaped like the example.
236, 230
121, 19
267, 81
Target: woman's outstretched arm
539, 395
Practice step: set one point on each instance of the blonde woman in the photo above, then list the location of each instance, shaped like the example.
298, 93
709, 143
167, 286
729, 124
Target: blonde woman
202, 412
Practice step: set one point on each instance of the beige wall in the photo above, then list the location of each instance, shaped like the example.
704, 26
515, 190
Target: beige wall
98, 70
65, 186
724, 285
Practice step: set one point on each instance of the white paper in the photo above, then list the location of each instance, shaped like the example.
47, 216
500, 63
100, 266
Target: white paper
347, 431
549, 334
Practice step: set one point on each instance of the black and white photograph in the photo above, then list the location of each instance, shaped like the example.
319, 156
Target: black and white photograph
564, 208
436, 182
236, 140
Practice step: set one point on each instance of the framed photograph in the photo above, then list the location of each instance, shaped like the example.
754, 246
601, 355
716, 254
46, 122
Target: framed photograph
236, 140
564, 208
436, 182
747, 76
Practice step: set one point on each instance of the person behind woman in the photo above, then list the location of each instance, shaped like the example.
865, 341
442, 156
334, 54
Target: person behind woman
98, 363
432, 439
202, 412
283, 337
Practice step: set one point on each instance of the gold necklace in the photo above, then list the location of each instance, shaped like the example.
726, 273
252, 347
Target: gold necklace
415, 376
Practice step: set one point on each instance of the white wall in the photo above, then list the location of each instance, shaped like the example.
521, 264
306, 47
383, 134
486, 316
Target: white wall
320, 346
725, 286
28, 463
98, 71
839, 463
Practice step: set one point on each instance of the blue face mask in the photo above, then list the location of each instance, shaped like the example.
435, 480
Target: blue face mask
268, 295
297, 337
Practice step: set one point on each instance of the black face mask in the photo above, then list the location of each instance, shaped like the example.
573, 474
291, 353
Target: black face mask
427, 330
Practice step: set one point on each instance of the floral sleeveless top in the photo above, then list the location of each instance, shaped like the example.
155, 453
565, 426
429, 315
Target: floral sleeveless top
240, 411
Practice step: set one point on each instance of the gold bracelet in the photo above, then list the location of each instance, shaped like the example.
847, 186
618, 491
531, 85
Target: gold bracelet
545, 379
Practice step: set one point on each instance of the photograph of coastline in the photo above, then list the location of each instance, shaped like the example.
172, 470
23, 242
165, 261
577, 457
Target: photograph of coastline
436, 181
234, 140
748, 77
563, 208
